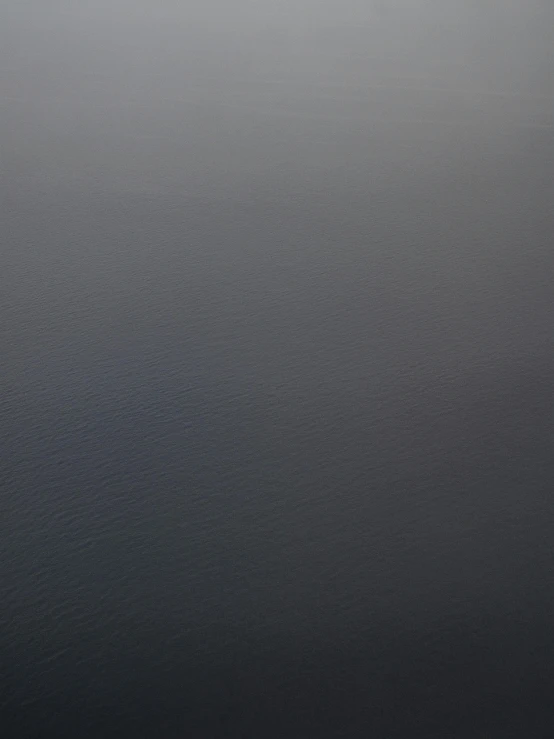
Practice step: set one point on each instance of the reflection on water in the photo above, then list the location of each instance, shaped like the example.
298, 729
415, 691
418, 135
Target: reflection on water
275, 369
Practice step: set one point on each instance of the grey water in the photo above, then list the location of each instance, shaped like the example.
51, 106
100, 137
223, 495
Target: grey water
275, 369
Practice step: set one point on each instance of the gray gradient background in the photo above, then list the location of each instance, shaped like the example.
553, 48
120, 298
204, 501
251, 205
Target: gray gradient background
275, 366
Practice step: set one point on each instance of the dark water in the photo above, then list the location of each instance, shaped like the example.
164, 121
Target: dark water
276, 408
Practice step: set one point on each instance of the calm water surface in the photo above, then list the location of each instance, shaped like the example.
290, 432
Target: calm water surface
276, 403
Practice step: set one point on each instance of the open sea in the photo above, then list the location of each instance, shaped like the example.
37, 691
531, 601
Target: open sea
276, 401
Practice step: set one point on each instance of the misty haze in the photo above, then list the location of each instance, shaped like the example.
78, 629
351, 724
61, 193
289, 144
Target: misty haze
275, 369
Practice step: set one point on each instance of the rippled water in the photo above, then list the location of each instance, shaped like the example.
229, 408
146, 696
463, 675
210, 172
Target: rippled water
276, 409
